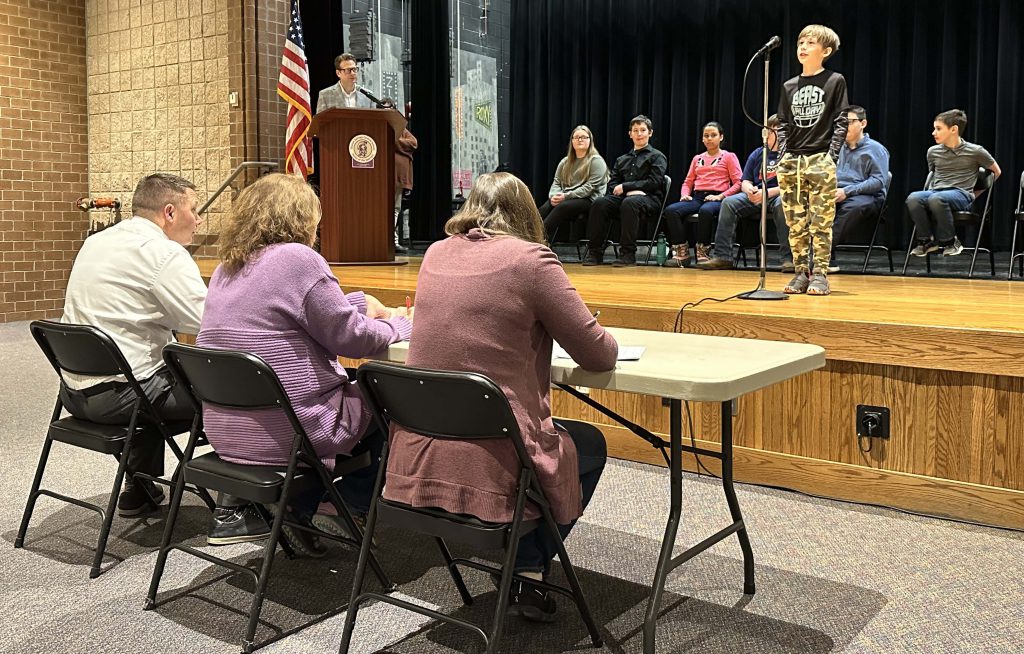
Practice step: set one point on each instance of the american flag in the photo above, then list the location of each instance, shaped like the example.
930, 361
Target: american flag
293, 86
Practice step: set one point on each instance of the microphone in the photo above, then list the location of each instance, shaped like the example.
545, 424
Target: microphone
374, 99
773, 43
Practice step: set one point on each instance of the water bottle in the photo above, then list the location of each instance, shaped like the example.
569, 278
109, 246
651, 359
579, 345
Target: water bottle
662, 255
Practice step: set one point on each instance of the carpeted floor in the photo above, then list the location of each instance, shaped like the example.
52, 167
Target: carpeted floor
831, 577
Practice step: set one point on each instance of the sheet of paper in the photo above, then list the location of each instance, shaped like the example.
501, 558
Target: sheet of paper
626, 352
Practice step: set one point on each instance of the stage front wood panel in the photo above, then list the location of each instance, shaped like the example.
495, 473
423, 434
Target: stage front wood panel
946, 356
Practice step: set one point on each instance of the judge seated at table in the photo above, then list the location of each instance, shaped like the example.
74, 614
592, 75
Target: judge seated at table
490, 298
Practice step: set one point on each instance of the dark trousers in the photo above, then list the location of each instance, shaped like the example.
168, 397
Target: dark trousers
707, 213
113, 406
567, 209
852, 215
539, 547
355, 488
627, 210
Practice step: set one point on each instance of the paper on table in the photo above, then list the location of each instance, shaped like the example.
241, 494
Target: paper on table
626, 352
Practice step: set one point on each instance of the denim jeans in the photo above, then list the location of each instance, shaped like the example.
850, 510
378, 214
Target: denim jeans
538, 548
940, 204
739, 206
676, 213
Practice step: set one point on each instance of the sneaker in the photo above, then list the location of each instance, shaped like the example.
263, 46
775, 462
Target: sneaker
327, 521
952, 249
716, 264
925, 246
703, 253
592, 259
401, 249
833, 268
531, 603
787, 266
241, 524
135, 496
798, 284
303, 542
818, 285
625, 259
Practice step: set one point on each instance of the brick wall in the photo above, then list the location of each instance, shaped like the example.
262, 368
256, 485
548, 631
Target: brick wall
43, 158
158, 80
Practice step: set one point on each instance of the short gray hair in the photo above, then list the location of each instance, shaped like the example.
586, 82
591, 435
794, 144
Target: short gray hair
156, 190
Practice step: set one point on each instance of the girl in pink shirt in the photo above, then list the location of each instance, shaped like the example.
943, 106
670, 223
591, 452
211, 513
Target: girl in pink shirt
713, 176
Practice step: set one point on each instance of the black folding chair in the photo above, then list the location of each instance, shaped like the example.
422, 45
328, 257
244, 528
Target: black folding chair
243, 381
86, 350
654, 234
421, 401
879, 222
977, 216
1018, 218
571, 222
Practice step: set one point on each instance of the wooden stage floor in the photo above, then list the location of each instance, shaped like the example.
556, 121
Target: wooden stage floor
945, 355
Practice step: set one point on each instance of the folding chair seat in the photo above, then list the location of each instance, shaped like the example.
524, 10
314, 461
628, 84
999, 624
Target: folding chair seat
420, 401
1018, 218
87, 350
879, 222
243, 381
976, 216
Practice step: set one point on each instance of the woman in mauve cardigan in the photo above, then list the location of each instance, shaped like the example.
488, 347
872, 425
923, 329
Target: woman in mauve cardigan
274, 296
489, 299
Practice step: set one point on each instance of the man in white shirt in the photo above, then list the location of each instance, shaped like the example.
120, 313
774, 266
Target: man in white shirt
344, 94
136, 281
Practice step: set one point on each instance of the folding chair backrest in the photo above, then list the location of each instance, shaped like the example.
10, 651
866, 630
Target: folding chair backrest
227, 378
668, 189
439, 404
1020, 195
79, 349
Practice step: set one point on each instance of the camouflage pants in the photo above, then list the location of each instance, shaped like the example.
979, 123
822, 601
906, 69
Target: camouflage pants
807, 185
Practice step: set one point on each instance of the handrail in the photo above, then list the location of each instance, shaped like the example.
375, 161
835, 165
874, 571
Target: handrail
238, 171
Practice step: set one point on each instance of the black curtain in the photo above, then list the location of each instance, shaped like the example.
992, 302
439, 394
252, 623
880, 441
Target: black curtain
599, 62
430, 121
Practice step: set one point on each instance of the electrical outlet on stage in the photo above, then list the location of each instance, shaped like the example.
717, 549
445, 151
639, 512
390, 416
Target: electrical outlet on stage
872, 421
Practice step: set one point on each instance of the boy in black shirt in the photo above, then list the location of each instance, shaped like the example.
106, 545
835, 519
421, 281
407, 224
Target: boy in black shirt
637, 184
811, 132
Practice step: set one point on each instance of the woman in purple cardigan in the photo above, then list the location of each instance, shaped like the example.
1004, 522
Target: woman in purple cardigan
496, 279
274, 296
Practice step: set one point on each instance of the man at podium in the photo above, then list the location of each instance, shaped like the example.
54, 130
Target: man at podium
344, 94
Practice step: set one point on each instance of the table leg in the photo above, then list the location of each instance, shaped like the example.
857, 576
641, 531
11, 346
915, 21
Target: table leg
730, 498
671, 529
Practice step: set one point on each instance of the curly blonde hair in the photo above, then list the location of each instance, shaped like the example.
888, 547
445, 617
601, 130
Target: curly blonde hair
277, 208
499, 203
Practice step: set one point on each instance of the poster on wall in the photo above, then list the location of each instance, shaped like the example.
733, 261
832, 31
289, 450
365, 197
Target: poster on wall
474, 119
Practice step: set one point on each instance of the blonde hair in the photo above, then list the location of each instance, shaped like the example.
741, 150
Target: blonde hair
499, 203
824, 35
576, 170
277, 208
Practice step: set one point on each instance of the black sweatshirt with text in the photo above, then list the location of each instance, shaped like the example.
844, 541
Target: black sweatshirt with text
810, 116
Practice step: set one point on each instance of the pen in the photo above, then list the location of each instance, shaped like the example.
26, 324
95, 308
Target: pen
597, 313
408, 303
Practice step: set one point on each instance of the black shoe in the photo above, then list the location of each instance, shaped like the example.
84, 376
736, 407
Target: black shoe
625, 259
240, 524
592, 260
134, 498
303, 542
531, 602
401, 249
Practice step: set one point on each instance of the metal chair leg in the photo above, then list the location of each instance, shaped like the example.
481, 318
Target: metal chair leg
453, 570
1013, 250
108, 517
165, 542
574, 584
37, 480
910, 246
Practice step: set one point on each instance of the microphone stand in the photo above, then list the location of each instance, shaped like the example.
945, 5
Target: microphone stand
762, 293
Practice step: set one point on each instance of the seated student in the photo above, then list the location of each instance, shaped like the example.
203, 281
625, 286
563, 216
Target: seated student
636, 185
580, 178
506, 291
953, 164
861, 174
712, 177
748, 203
274, 296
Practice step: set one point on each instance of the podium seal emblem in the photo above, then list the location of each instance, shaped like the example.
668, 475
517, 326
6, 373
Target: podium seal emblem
363, 150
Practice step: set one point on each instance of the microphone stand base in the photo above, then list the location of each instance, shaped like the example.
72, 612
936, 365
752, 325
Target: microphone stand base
764, 294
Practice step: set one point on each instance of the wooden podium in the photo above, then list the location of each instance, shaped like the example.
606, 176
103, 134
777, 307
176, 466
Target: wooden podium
357, 184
